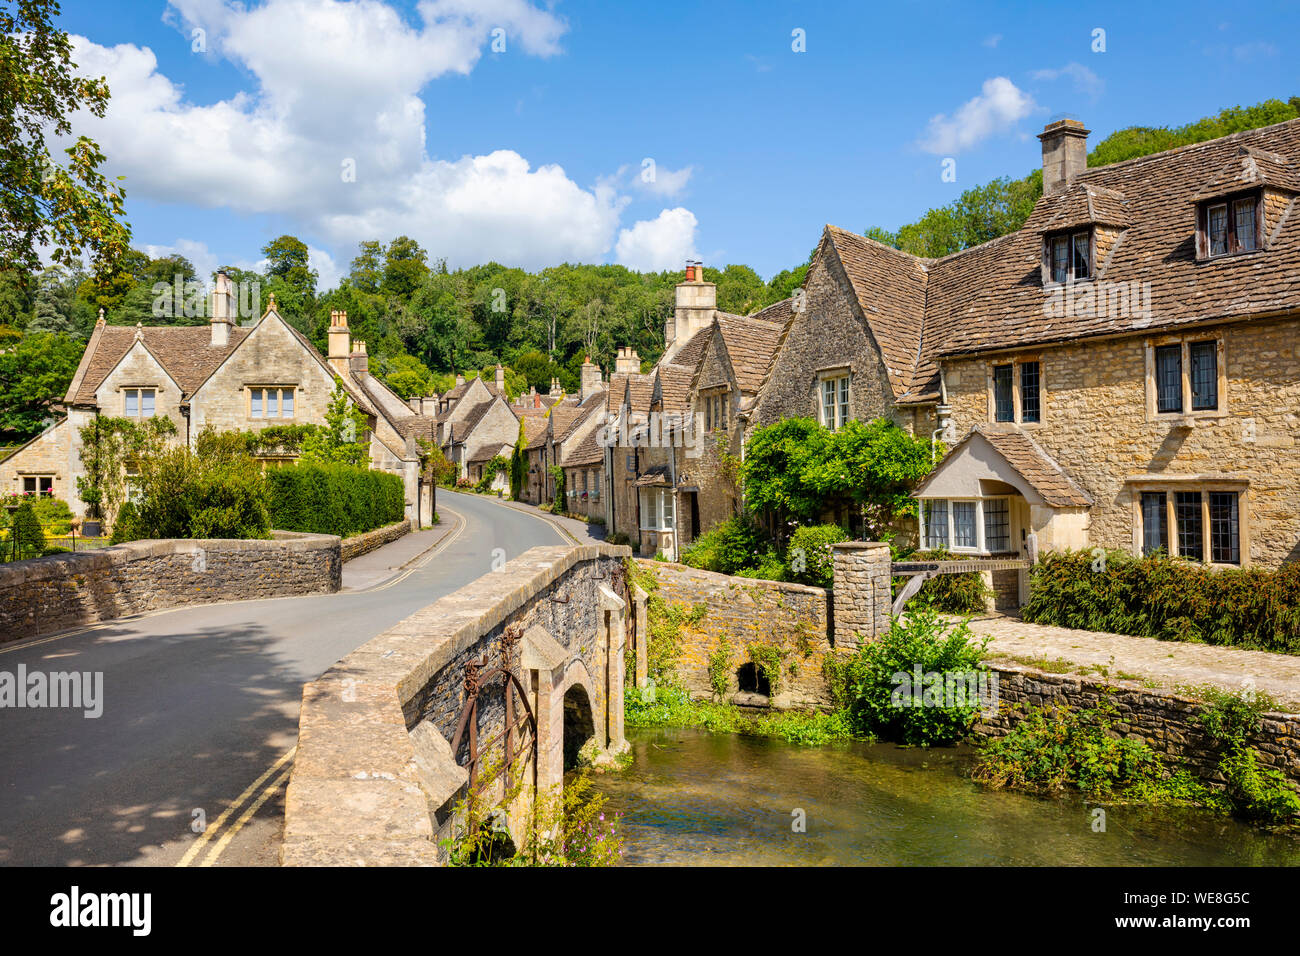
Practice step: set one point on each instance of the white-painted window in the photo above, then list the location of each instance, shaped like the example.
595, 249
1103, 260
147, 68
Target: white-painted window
277, 402
835, 401
657, 509
966, 525
139, 402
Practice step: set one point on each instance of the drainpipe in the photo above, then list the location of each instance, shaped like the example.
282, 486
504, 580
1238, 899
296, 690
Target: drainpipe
944, 414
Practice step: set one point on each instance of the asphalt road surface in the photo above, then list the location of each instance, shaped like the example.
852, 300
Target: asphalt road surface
188, 761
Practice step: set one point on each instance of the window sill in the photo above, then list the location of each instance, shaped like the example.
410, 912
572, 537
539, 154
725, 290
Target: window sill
1229, 256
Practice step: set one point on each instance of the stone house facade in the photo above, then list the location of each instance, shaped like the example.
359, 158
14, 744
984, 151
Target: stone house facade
225, 377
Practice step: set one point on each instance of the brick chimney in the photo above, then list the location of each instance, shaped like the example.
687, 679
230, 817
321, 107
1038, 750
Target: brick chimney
627, 362
340, 341
223, 311
359, 361
1065, 153
696, 302
501, 379
590, 381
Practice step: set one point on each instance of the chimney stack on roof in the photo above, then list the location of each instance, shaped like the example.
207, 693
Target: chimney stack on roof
223, 310
697, 300
627, 362
501, 379
1065, 153
359, 361
340, 341
589, 384
460, 379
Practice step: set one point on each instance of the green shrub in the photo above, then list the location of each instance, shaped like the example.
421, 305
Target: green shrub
876, 683
719, 668
53, 513
1167, 598
1252, 792
217, 491
127, 526
1056, 748
729, 547
26, 539
809, 556
334, 499
954, 593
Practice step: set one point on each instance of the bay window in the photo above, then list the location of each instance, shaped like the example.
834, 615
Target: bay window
972, 525
657, 509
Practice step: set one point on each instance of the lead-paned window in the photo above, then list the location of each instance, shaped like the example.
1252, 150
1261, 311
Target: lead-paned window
1243, 213
1225, 528
997, 525
1204, 361
1004, 409
1081, 261
1217, 227
1060, 258
1169, 378
1155, 522
1190, 524
1030, 406
936, 523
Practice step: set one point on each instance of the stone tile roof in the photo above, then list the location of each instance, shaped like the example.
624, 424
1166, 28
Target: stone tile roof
751, 344
692, 351
490, 451
675, 387
584, 413
589, 451
658, 475
1030, 461
984, 301
890, 289
1252, 167
417, 426
1083, 204
183, 351
564, 417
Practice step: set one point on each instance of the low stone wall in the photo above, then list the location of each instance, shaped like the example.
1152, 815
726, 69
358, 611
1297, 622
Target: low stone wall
360, 544
1166, 721
375, 781
748, 611
70, 590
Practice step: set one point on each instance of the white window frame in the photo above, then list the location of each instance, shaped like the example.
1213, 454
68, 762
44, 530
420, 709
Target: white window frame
981, 546
840, 383
138, 392
264, 391
657, 509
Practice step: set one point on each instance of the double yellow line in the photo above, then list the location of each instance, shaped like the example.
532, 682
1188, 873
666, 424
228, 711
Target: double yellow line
258, 792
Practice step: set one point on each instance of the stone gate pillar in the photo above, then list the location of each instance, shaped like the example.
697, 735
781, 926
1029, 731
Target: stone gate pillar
860, 595
614, 608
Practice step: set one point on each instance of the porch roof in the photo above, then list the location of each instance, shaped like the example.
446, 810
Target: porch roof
1005, 454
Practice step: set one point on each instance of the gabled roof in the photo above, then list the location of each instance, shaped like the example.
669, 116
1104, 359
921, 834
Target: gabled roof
1249, 168
673, 390
1083, 204
490, 451
184, 352
535, 431
890, 289
1039, 470
589, 451
751, 344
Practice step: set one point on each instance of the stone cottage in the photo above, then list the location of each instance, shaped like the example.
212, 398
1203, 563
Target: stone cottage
228, 377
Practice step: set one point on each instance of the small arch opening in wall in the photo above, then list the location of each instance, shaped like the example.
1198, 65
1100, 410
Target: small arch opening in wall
752, 681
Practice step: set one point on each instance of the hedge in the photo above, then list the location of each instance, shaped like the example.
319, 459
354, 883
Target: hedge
1168, 598
334, 499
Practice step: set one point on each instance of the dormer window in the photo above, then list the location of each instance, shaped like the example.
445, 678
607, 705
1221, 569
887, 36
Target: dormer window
1069, 256
1229, 226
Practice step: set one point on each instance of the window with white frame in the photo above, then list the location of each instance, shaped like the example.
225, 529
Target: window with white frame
834, 401
657, 509
272, 402
971, 525
139, 402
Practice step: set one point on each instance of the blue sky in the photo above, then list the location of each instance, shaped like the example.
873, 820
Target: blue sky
534, 155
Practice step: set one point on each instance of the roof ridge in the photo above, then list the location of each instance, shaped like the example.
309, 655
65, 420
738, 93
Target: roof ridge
1187, 147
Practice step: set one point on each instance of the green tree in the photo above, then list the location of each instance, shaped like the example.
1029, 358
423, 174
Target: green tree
404, 267
68, 206
407, 376
368, 268
343, 440
27, 540
34, 376
108, 445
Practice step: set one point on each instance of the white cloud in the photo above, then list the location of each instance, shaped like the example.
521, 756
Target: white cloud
204, 261
654, 180
664, 242
1085, 81
1256, 50
998, 107
344, 95
992, 41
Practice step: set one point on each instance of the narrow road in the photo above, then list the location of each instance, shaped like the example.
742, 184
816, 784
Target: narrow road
199, 704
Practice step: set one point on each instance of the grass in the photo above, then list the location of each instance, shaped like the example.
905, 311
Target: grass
672, 707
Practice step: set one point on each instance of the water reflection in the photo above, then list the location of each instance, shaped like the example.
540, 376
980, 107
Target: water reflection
694, 798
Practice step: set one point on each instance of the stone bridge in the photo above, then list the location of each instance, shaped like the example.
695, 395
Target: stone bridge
375, 778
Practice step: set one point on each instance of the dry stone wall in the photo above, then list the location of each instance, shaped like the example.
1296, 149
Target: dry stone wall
70, 590
360, 544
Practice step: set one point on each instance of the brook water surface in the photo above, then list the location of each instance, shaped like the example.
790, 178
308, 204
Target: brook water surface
694, 798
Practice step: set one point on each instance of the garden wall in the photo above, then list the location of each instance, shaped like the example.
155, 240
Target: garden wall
1165, 721
360, 544
69, 590
748, 611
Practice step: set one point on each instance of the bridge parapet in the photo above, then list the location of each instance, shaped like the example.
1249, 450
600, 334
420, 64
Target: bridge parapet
375, 779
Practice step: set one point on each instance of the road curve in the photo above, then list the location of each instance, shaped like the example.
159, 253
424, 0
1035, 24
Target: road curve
199, 703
